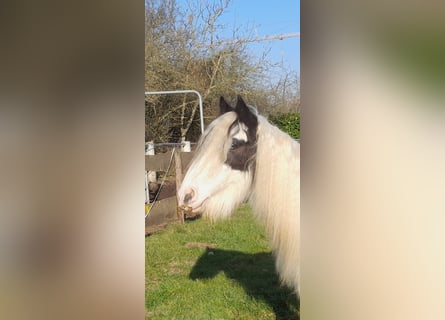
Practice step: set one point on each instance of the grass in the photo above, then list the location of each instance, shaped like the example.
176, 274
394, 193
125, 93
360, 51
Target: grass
234, 280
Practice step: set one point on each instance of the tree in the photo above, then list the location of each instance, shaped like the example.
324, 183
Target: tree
183, 50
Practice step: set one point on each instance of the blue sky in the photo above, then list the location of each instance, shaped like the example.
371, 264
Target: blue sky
265, 18
269, 17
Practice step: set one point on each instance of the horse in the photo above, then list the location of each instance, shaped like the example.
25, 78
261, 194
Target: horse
242, 157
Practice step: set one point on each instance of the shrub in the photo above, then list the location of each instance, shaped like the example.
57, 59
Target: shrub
288, 122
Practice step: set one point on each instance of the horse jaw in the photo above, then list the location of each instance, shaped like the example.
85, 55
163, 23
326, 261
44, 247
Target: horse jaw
217, 195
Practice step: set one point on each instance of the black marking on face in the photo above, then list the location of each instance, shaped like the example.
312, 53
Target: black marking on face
241, 155
237, 144
243, 135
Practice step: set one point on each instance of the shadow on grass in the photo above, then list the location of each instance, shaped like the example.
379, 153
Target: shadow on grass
255, 273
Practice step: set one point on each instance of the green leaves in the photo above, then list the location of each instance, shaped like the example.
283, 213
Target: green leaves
288, 122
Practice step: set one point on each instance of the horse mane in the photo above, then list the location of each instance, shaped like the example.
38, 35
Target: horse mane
275, 197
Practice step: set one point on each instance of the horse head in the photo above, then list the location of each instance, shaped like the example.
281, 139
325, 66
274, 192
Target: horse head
220, 175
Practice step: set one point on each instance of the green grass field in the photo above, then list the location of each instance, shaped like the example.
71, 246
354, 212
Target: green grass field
224, 270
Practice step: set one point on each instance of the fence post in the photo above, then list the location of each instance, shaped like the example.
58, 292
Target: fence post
186, 147
150, 176
147, 195
149, 148
178, 171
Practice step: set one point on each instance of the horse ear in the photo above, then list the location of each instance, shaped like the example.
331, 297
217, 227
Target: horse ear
224, 107
245, 115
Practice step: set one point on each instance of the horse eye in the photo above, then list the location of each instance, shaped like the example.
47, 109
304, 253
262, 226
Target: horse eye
236, 144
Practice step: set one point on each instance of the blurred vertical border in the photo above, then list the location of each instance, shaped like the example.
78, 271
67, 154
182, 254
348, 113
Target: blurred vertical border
372, 133
71, 160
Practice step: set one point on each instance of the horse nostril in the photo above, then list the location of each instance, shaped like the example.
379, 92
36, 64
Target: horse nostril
189, 196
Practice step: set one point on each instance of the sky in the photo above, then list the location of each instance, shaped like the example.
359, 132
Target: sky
269, 17
266, 18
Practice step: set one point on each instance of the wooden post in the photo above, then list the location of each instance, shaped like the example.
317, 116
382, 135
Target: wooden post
149, 150
147, 196
150, 176
178, 170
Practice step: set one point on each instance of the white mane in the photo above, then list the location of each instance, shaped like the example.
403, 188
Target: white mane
276, 197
